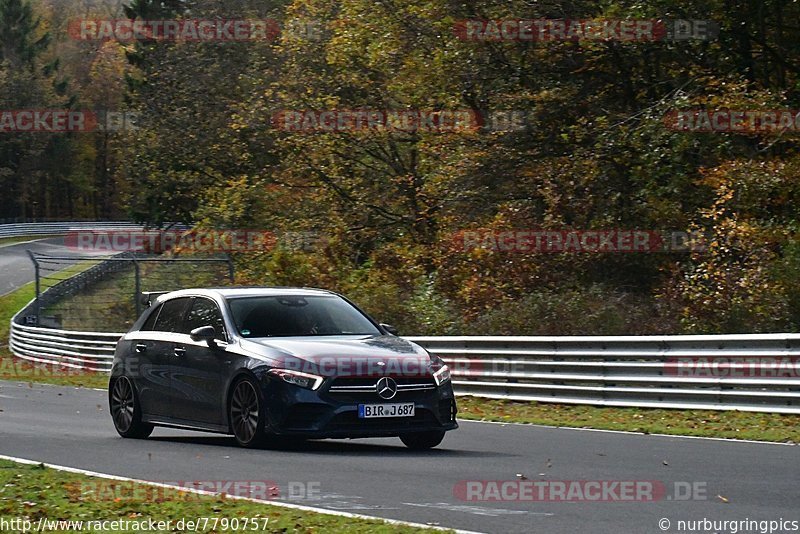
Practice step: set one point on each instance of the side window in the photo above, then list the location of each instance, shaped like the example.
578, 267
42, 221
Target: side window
151, 320
204, 312
171, 315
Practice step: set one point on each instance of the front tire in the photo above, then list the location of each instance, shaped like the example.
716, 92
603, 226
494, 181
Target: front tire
419, 441
246, 414
125, 410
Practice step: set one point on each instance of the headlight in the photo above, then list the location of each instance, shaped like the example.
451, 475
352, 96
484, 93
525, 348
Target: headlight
441, 373
303, 380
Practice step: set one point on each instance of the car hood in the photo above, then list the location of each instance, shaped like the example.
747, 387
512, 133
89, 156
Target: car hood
343, 355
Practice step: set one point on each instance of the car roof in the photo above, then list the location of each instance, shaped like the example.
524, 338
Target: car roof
250, 291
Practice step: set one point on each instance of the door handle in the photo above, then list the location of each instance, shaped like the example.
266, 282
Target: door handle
180, 351
141, 347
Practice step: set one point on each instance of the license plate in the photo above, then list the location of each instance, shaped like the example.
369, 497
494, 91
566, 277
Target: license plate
368, 411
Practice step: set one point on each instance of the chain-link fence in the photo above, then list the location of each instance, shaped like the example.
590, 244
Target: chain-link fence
83, 292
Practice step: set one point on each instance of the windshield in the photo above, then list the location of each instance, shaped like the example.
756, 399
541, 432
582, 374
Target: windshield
285, 316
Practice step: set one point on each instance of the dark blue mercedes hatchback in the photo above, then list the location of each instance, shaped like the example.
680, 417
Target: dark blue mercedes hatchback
261, 363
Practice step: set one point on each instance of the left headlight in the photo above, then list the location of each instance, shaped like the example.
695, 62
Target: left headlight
303, 380
441, 373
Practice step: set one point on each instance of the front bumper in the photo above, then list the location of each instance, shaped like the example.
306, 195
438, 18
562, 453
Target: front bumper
294, 411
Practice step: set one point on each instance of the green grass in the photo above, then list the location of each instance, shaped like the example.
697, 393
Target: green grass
10, 304
19, 370
33, 492
706, 423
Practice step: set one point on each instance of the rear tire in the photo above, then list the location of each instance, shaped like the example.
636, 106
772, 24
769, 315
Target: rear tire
419, 441
247, 414
125, 411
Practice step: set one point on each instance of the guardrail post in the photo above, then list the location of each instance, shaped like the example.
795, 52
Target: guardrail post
230, 267
138, 290
36, 273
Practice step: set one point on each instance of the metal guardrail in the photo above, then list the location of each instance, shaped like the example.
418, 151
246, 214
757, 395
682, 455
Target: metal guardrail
58, 228
607, 371
748, 372
93, 351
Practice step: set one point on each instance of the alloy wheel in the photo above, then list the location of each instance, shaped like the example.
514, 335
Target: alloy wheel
245, 412
122, 404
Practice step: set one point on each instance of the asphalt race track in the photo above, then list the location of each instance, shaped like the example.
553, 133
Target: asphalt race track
380, 477
16, 268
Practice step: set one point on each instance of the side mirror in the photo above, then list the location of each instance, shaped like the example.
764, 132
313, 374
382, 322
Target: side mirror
204, 333
389, 328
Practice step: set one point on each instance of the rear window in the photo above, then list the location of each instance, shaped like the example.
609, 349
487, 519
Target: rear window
151, 319
170, 316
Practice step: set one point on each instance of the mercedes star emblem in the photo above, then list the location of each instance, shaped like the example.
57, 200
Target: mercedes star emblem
386, 388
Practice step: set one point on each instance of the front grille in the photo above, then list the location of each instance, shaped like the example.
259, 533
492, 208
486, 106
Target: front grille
350, 385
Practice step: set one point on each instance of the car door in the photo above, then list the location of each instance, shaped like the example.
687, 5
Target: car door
160, 346
197, 367
148, 368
